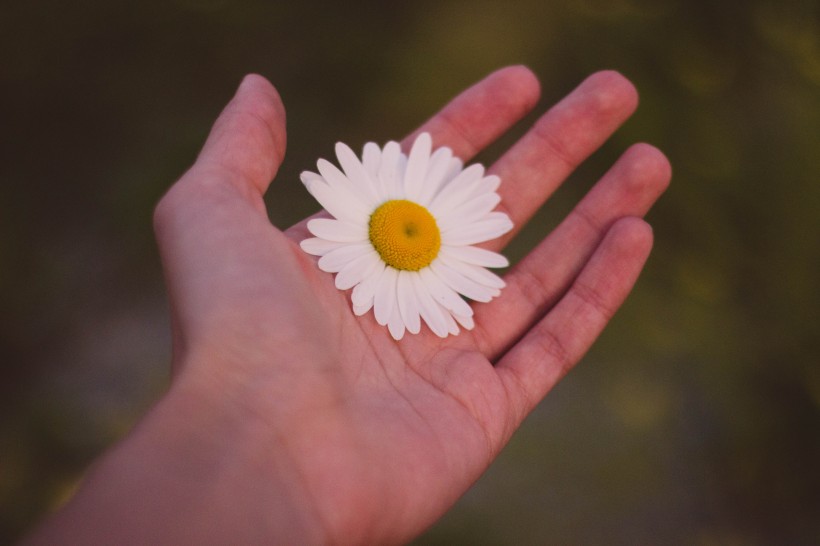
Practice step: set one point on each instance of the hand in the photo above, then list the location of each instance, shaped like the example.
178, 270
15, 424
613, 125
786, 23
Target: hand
290, 420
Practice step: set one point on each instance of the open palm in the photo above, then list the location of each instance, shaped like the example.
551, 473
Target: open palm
358, 438
385, 435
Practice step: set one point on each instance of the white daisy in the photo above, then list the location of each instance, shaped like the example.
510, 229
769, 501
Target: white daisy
402, 233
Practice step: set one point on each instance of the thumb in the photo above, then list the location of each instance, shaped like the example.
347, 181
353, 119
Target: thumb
213, 248
247, 141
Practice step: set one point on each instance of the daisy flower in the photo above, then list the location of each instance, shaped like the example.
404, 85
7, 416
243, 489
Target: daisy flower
402, 232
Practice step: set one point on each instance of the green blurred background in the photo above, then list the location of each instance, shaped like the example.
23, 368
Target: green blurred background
696, 417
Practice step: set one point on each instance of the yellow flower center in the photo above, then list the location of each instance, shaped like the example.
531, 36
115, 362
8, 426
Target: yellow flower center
405, 235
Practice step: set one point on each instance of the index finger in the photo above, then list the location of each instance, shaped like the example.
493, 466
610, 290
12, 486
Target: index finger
482, 113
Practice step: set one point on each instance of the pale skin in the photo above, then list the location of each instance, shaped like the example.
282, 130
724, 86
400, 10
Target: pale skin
291, 421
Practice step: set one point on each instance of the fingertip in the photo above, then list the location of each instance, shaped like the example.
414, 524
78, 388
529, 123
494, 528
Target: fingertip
647, 166
253, 79
522, 81
260, 84
483, 112
655, 162
259, 90
614, 91
248, 139
632, 235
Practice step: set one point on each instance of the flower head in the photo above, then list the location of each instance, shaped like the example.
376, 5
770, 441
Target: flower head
402, 232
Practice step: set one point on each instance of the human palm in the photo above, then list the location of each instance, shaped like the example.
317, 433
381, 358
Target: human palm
368, 439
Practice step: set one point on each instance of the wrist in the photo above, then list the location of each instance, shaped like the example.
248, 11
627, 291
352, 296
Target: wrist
193, 471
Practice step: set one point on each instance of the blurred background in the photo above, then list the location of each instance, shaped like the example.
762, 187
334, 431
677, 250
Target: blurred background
696, 417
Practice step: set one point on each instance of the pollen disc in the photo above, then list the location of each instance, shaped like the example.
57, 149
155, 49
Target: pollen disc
405, 235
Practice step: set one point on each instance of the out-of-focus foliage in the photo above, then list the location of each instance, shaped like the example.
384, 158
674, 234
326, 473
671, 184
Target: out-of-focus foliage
694, 420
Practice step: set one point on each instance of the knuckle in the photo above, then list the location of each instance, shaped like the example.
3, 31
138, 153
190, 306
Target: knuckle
554, 350
648, 163
594, 300
556, 147
458, 133
532, 287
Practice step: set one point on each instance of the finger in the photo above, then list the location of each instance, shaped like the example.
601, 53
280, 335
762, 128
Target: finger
214, 217
558, 142
482, 113
553, 346
629, 188
247, 141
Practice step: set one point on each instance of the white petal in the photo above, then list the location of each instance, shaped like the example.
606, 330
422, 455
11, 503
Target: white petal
364, 292
371, 159
491, 226
436, 172
470, 211
457, 190
414, 175
371, 155
319, 247
310, 177
485, 184
489, 183
406, 298
338, 230
389, 169
474, 255
333, 176
384, 300
401, 168
356, 172
487, 277
395, 324
476, 273
339, 203
461, 284
453, 169
452, 326
337, 180
336, 259
360, 310
357, 270
431, 312
467, 322
443, 294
